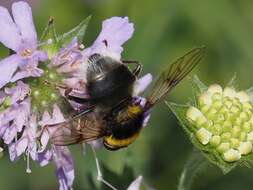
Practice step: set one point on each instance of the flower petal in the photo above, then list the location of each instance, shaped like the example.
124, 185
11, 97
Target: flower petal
12, 151
136, 184
9, 65
64, 167
23, 114
44, 157
21, 146
57, 115
9, 33
22, 14
141, 84
115, 31
18, 92
27, 71
9, 134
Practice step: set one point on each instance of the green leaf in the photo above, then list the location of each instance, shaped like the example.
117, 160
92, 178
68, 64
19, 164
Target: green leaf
198, 87
233, 82
79, 32
48, 41
211, 154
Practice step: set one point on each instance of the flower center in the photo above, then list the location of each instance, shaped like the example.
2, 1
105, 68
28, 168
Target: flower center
44, 92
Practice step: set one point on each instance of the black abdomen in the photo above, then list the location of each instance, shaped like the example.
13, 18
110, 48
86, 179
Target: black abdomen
128, 128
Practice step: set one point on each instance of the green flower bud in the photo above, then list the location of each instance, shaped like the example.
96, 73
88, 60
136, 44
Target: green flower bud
203, 136
225, 137
236, 130
215, 140
216, 129
224, 121
243, 136
205, 99
232, 155
223, 147
193, 113
204, 109
215, 88
246, 127
245, 148
217, 97
235, 110
250, 137
223, 124
234, 142
229, 93
243, 97
247, 106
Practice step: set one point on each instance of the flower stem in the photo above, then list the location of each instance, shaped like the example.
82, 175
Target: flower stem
195, 164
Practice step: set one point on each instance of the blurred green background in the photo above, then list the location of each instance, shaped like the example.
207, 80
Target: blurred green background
164, 30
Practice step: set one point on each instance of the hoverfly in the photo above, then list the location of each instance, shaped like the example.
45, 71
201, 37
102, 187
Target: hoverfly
114, 114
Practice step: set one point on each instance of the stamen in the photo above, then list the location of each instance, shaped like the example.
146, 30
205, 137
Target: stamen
49, 41
28, 169
81, 46
26, 53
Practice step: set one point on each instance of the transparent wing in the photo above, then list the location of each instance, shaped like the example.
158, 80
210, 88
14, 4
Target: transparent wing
84, 127
173, 74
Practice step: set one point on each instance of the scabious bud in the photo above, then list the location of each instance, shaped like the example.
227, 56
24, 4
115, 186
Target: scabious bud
223, 119
219, 123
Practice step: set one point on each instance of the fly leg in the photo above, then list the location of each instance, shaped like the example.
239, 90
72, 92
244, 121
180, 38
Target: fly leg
138, 67
99, 173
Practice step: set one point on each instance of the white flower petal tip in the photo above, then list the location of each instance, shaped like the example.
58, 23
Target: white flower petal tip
141, 84
193, 113
204, 136
229, 92
243, 96
215, 88
232, 155
136, 184
245, 148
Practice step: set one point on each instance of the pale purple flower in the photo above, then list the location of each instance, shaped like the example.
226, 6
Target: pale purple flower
142, 84
26, 144
68, 59
115, 32
64, 167
60, 154
20, 36
17, 114
21, 128
57, 117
